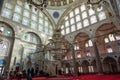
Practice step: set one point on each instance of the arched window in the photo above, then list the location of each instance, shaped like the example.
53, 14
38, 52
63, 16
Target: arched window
106, 40
5, 31
89, 43
111, 38
82, 17
76, 47
31, 37
22, 13
109, 49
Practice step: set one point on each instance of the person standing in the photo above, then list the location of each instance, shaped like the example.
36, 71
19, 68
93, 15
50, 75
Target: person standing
32, 72
11, 74
29, 76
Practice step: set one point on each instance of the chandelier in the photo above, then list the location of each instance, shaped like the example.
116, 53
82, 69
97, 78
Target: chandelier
94, 4
56, 47
40, 4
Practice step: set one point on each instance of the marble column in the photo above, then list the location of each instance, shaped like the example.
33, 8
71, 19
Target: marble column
97, 55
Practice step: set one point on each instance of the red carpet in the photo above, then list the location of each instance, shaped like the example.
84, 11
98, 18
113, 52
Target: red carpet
82, 77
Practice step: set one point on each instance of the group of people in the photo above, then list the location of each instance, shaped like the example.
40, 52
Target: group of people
28, 74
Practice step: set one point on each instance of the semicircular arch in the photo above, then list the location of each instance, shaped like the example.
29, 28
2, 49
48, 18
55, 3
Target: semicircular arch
8, 26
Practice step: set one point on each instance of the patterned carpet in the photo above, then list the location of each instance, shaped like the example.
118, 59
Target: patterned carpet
82, 77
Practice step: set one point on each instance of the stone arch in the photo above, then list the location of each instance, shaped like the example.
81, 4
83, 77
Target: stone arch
9, 26
85, 66
101, 33
80, 40
37, 36
109, 65
10, 41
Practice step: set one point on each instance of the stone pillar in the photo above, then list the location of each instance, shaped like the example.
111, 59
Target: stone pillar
97, 55
21, 58
74, 60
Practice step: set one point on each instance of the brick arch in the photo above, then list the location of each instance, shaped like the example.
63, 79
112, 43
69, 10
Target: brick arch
109, 65
101, 33
82, 35
80, 39
84, 66
105, 29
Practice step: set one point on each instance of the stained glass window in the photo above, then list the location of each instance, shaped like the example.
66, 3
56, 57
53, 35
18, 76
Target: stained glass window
73, 28
71, 14
85, 22
72, 21
26, 13
7, 13
102, 16
78, 18
83, 8
67, 23
84, 15
25, 21
79, 25
77, 11
16, 18
93, 19
18, 9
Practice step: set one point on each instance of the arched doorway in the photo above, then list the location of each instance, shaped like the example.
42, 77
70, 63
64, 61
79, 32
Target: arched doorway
109, 65
93, 66
6, 45
67, 68
85, 66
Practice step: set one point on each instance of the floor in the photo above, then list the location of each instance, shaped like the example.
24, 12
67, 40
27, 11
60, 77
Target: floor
82, 77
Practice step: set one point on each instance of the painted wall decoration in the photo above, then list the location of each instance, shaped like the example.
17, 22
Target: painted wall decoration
56, 14
31, 38
4, 48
